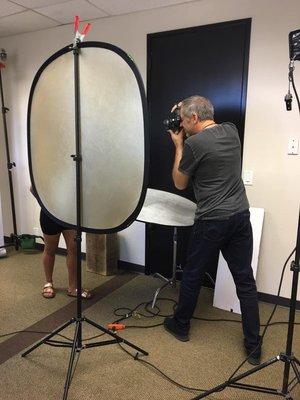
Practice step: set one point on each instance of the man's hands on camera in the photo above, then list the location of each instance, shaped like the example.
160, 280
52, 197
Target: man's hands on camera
176, 106
177, 136
180, 180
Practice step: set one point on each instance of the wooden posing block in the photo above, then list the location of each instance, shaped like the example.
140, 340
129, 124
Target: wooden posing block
102, 253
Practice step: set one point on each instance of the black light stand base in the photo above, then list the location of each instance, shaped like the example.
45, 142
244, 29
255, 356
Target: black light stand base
14, 242
77, 345
234, 382
19, 241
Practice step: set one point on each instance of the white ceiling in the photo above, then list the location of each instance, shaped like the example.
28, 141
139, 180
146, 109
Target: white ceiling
20, 16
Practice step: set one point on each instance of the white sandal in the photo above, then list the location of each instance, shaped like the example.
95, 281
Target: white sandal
48, 291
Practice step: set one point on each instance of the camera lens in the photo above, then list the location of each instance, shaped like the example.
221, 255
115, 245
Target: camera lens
173, 122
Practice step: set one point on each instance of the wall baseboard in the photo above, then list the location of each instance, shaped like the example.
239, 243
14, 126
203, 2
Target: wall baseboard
265, 297
273, 299
127, 266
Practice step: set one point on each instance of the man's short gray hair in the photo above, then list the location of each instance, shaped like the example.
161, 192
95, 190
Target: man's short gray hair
198, 105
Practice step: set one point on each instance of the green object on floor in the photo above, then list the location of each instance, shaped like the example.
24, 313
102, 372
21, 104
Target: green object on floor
28, 242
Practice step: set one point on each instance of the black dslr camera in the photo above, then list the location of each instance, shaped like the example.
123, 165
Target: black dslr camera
173, 122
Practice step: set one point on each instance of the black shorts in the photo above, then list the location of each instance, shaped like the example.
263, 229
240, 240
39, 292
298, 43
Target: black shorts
48, 226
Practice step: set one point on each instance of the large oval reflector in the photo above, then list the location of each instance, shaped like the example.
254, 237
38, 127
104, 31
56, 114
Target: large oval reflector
113, 137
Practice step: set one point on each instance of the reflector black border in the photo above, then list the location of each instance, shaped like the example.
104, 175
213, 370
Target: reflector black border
138, 77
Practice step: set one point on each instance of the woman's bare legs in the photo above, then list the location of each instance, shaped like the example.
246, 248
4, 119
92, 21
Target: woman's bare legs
69, 236
50, 247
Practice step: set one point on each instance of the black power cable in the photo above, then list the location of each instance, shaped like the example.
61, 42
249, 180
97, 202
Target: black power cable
132, 313
136, 358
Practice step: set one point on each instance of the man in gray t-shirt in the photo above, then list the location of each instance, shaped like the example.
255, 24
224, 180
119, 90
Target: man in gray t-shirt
210, 158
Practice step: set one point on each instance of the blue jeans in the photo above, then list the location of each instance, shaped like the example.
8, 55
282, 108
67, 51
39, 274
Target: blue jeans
233, 236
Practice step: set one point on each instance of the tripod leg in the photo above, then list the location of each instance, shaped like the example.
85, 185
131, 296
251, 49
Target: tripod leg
48, 337
118, 338
158, 291
295, 368
155, 297
237, 378
72, 356
297, 361
172, 280
160, 276
174, 269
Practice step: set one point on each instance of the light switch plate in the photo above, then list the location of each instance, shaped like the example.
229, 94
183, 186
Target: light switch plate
248, 177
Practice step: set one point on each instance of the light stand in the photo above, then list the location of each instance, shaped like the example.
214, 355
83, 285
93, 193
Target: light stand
10, 165
286, 357
15, 240
76, 345
168, 281
175, 269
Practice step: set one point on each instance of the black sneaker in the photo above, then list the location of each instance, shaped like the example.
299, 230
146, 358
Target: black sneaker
171, 327
254, 359
254, 354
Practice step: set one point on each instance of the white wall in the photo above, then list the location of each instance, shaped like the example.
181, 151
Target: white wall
268, 126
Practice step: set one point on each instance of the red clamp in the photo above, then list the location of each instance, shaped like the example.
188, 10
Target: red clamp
80, 36
116, 327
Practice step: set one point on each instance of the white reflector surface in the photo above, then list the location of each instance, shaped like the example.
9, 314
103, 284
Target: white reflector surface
112, 139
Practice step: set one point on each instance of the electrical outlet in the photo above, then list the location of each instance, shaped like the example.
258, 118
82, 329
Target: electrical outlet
293, 146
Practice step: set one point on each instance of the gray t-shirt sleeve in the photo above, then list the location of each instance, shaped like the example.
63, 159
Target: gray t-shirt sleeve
188, 163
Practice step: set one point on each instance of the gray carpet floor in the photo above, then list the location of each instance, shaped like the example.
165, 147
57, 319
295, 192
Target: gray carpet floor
208, 359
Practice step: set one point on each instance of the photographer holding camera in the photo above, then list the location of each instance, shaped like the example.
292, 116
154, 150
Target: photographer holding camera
211, 158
